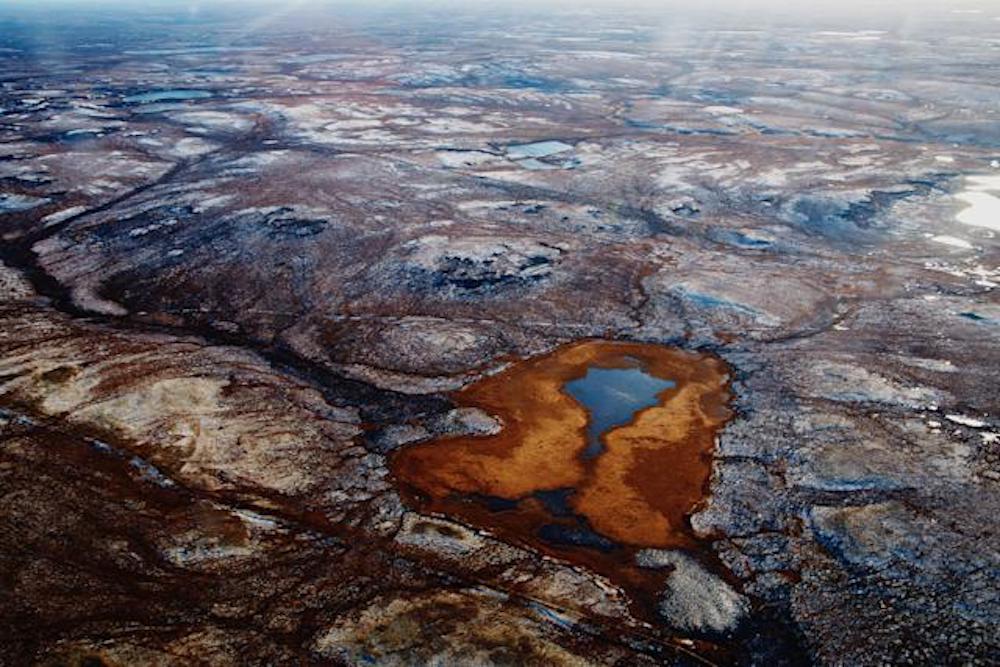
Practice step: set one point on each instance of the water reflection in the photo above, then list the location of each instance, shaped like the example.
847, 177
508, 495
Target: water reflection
613, 396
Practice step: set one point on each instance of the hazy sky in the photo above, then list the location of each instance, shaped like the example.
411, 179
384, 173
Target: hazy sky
799, 6
886, 12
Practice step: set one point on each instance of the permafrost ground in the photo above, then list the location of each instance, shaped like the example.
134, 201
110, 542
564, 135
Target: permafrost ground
249, 260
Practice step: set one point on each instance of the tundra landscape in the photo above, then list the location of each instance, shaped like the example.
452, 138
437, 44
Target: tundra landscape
411, 334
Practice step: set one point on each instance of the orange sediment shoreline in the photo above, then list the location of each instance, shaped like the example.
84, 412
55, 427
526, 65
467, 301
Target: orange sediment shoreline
654, 471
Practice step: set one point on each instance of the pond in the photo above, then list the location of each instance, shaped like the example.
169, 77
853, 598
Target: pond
613, 396
166, 95
538, 149
606, 448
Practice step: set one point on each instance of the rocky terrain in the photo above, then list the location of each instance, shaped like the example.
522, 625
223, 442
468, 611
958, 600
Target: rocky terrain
250, 256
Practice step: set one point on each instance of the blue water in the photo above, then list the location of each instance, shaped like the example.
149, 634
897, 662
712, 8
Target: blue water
163, 95
537, 149
613, 396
